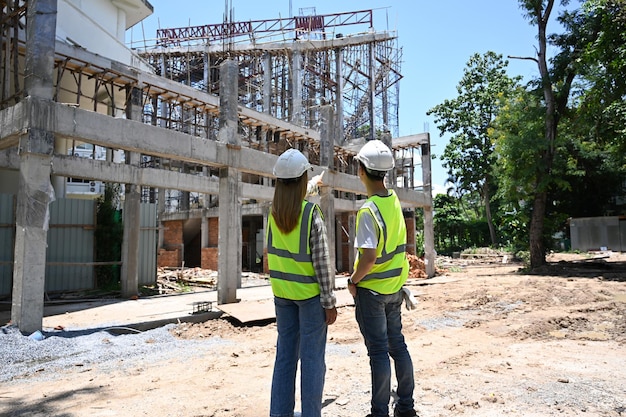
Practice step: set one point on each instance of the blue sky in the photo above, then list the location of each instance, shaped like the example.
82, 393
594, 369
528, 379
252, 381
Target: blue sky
437, 38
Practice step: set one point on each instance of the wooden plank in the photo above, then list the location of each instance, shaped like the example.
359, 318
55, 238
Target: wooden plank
249, 311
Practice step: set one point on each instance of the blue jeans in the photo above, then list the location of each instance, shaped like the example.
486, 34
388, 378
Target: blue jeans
380, 321
302, 333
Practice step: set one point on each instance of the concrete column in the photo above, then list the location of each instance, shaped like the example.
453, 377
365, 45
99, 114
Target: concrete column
340, 138
205, 199
372, 89
162, 122
266, 215
327, 130
230, 240
160, 211
296, 88
204, 231
327, 199
31, 231
58, 182
339, 245
41, 16
327, 204
267, 83
184, 202
35, 191
130, 244
131, 212
429, 233
351, 236
391, 178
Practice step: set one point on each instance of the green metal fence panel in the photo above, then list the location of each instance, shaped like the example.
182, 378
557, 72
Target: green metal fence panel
70, 253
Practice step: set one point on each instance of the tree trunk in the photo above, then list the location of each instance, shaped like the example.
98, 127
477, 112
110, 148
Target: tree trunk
537, 250
492, 229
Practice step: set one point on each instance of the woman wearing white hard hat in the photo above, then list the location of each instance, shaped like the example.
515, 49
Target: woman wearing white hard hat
302, 283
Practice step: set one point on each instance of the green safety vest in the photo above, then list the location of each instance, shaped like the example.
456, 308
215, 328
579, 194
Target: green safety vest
292, 275
391, 269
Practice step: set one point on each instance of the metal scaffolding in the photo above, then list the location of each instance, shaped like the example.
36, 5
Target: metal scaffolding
289, 67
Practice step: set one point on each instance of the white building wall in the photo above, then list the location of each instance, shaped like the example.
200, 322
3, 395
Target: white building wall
99, 27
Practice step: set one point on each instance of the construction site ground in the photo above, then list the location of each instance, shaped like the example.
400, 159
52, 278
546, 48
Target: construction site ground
486, 340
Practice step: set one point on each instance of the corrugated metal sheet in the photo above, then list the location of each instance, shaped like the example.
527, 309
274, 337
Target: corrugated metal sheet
148, 241
7, 237
71, 251
70, 245
598, 233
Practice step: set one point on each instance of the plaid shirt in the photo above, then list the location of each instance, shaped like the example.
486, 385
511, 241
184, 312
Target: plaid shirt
319, 254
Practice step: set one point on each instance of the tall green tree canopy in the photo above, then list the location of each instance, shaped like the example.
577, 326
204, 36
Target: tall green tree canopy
483, 89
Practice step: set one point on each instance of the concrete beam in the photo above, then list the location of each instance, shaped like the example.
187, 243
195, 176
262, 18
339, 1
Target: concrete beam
76, 124
13, 124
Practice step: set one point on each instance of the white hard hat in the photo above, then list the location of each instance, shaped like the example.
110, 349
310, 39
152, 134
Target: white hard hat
291, 164
376, 156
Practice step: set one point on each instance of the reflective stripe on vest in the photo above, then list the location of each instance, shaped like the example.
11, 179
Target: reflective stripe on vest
391, 268
292, 275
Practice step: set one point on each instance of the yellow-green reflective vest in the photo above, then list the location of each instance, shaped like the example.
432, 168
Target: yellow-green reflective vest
292, 275
391, 269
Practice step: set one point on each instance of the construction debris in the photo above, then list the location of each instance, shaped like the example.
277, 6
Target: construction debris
171, 280
417, 267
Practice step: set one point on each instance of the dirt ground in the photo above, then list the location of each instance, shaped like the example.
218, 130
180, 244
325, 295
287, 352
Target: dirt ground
486, 340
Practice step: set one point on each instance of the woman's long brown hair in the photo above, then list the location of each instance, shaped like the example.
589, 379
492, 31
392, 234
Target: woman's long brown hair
287, 204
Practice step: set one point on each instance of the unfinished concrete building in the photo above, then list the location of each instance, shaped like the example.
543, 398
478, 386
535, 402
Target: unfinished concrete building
199, 117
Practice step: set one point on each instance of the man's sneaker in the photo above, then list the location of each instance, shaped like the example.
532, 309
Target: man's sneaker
408, 413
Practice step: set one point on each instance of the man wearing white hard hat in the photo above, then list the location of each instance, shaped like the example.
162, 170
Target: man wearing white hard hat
302, 283
380, 270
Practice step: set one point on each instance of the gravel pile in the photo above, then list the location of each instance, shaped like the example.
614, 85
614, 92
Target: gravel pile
107, 349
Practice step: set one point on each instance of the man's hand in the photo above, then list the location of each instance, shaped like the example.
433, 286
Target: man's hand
351, 288
331, 315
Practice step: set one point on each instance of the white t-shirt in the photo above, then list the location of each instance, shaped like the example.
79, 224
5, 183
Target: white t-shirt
367, 232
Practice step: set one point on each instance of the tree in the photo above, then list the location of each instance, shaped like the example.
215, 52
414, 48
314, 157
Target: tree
591, 49
518, 133
482, 90
556, 86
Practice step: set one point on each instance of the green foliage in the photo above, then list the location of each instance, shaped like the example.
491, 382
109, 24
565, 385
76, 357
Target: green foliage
513, 225
455, 228
518, 135
419, 232
468, 117
108, 234
419, 243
